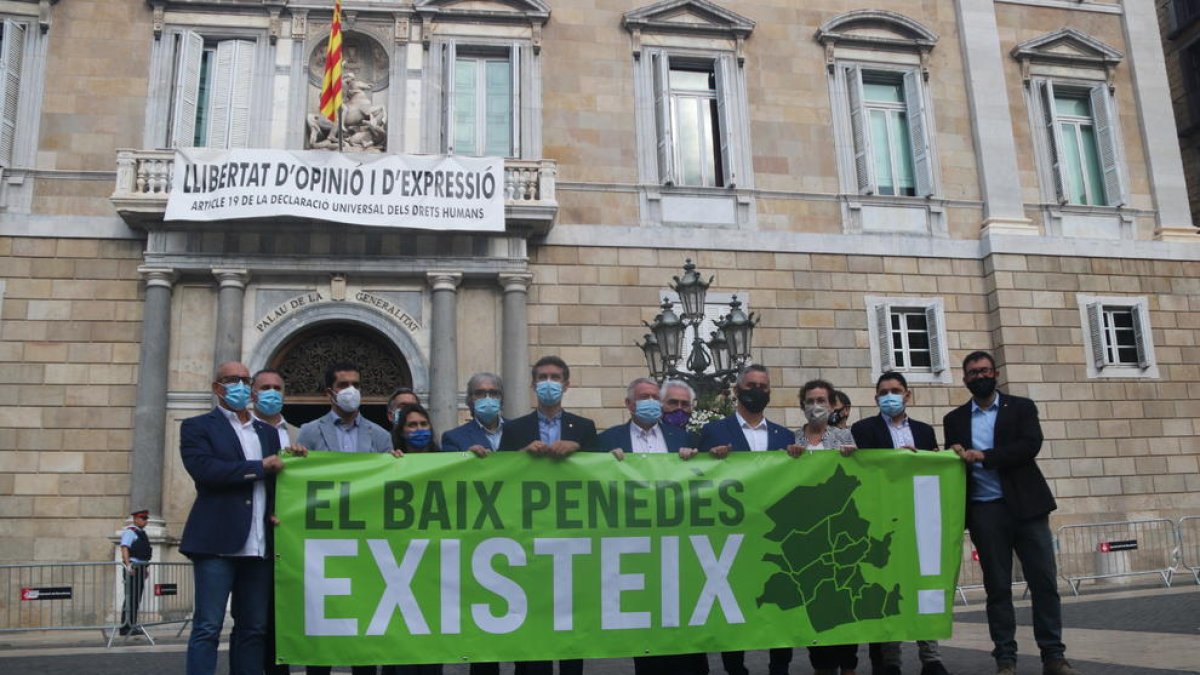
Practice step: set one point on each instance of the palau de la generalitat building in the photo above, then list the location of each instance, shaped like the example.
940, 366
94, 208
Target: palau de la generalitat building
888, 185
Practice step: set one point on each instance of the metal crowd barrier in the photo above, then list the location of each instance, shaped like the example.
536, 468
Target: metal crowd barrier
1189, 545
970, 573
1117, 549
91, 595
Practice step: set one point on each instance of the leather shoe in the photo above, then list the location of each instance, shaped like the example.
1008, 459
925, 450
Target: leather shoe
1058, 667
934, 668
1006, 668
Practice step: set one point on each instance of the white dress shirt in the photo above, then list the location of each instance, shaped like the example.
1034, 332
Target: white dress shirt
901, 433
646, 440
756, 436
256, 541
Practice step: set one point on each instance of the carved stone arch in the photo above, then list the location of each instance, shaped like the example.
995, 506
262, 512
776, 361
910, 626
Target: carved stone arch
303, 321
876, 29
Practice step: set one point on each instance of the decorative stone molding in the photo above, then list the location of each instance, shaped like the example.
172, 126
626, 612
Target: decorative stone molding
299, 24
1067, 47
876, 29
693, 18
444, 281
158, 276
516, 282
232, 278
533, 13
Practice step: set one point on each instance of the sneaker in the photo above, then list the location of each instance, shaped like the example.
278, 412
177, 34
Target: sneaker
1058, 667
1006, 668
934, 668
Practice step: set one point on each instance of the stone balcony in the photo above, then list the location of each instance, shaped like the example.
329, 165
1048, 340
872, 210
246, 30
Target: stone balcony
144, 183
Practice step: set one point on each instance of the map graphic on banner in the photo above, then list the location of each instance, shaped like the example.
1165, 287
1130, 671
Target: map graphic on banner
446, 558
410, 191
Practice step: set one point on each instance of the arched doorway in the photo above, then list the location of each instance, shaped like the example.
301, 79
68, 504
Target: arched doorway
304, 358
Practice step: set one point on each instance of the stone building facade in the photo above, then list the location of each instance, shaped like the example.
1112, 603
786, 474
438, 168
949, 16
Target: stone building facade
886, 187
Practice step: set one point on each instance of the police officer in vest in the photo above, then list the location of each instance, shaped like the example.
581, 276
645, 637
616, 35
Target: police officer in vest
135, 556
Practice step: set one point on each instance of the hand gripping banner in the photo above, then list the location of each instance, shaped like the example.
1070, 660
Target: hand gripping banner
447, 558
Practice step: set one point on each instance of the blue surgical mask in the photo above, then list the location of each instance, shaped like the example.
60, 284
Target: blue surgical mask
237, 395
419, 439
891, 404
269, 402
648, 411
549, 393
486, 409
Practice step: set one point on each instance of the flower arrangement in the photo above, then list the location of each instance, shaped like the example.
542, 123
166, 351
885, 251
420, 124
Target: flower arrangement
708, 409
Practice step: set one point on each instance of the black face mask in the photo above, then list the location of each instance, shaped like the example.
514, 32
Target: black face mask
753, 399
836, 417
982, 387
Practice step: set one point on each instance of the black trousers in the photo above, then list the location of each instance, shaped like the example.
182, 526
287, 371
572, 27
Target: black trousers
135, 586
997, 535
835, 657
675, 664
735, 662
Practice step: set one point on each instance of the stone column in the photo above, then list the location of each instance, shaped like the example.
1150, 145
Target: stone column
514, 362
1152, 92
230, 296
443, 350
987, 96
150, 413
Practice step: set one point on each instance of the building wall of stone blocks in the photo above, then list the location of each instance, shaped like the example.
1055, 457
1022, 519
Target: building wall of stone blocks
70, 321
1115, 449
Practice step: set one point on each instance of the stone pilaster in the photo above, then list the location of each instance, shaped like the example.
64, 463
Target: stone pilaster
443, 350
514, 362
230, 297
150, 413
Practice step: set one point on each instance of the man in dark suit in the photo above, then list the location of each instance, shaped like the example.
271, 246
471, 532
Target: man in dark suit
232, 458
548, 430
647, 433
481, 434
748, 429
1008, 509
893, 428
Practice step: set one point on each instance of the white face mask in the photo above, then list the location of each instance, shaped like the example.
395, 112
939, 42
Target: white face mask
816, 414
349, 399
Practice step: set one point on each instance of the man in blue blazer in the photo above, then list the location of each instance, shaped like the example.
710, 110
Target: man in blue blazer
893, 428
748, 429
481, 434
232, 458
343, 429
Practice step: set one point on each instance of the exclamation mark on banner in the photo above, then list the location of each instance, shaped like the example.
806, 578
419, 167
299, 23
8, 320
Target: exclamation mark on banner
927, 502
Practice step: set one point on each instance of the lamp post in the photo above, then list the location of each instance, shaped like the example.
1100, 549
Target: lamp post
712, 366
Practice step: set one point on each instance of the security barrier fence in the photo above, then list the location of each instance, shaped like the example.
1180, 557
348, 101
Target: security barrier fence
1100, 551
80, 596
1189, 545
970, 573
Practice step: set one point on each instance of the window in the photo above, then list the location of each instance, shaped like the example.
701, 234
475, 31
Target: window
483, 105
12, 49
692, 122
1082, 142
1183, 13
212, 92
907, 336
482, 90
888, 122
1117, 337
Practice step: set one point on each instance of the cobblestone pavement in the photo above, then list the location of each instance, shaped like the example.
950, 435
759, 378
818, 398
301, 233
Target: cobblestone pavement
1139, 632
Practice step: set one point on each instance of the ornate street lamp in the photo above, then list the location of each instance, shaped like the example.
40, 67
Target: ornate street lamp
711, 367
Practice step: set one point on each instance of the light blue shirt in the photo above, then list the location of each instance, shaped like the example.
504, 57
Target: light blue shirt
986, 484
549, 428
347, 434
493, 436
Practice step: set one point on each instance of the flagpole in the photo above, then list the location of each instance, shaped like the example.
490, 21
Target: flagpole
340, 130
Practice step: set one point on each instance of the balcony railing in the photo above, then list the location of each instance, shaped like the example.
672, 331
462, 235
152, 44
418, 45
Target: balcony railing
144, 184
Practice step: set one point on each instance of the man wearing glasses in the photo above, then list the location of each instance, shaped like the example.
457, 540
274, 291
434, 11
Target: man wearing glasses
481, 434
1008, 509
233, 459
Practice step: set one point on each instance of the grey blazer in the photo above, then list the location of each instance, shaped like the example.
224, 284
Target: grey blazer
321, 434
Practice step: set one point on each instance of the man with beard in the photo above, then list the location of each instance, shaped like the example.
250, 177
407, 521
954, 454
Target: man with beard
1008, 509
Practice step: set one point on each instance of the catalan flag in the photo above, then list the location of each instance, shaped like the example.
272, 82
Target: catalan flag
331, 86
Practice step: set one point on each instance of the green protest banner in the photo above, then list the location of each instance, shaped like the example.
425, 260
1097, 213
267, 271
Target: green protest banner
446, 558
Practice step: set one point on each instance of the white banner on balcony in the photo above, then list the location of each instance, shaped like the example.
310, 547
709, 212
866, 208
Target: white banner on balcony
411, 191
